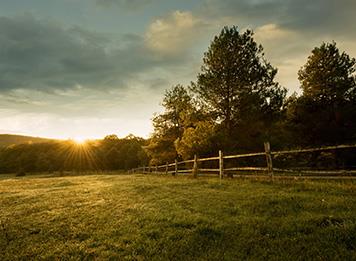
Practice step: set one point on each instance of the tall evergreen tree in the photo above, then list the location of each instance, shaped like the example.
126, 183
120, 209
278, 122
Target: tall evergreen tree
238, 86
325, 112
328, 76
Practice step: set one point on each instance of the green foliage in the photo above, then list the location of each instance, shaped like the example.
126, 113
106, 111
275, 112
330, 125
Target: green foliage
123, 153
161, 149
111, 153
237, 85
325, 112
234, 104
236, 82
169, 126
200, 140
328, 76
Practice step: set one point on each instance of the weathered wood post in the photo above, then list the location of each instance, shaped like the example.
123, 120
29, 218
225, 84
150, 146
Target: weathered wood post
149, 169
195, 167
166, 168
221, 164
175, 167
269, 158
156, 169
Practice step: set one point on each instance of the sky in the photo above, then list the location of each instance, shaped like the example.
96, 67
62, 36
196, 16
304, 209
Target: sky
88, 68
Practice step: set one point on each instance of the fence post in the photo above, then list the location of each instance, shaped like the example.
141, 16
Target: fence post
175, 167
166, 168
156, 169
195, 167
221, 164
269, 158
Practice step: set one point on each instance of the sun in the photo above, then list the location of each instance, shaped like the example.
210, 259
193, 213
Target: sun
80, 140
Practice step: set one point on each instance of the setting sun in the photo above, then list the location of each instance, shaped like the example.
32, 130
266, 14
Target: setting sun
79, 140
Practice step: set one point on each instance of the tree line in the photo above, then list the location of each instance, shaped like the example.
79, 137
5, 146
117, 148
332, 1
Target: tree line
108, 154
236, 104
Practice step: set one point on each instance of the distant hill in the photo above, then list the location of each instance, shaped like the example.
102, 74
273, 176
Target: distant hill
10, 139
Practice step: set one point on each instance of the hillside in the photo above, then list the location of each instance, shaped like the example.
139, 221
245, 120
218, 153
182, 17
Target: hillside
10, 139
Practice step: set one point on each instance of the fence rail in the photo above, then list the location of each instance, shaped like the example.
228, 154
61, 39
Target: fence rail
269, 169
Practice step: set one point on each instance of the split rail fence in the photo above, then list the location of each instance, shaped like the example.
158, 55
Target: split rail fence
175, 167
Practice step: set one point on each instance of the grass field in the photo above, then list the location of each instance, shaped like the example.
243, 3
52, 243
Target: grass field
142, 217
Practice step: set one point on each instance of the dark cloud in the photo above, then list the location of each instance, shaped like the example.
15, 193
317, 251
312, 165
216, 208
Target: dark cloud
317, 16
40, 54
43, 55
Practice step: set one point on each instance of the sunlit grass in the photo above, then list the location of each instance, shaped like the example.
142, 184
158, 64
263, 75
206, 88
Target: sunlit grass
165, 218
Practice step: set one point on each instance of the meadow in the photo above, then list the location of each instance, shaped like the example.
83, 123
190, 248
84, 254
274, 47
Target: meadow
152, 217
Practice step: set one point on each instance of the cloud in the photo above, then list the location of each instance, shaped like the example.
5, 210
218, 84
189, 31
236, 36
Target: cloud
313, 17
127, 4
40, 54
50, 71
37, 54
280, 43
175, 32
272, 32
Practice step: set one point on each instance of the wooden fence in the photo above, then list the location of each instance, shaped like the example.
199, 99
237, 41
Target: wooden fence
174, 168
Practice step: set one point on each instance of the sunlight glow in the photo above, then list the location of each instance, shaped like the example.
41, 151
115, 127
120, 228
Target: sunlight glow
79, 140
79, 155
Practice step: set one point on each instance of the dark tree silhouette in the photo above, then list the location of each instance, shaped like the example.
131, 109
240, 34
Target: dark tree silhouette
237, 85
325, 112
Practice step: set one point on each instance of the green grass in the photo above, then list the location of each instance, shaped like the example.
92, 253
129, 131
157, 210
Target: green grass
165, 218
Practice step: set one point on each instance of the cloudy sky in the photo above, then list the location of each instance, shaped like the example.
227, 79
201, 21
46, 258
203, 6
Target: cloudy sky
88, 68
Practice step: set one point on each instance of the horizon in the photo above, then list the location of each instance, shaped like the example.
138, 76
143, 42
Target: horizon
78, 139
87, 69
